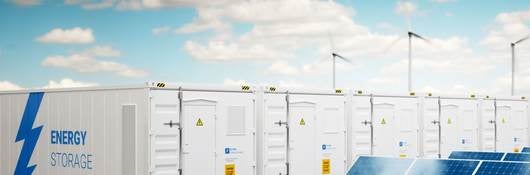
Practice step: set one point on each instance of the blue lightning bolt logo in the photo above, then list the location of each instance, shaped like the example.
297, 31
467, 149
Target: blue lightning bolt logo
29, 134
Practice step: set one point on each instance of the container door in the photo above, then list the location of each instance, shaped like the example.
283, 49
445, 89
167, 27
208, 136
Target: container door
198, 136
331, 136
317, 134
165, 133
384, 130
275, 136
302, 138
511, 122
361, 126
430, 128
450, 130
398, 117
487, 125
219, 133
459, 125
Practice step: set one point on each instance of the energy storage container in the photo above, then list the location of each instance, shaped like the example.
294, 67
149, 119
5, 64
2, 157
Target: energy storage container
504, 124
449, 123
149, 129
385, 125
303, 132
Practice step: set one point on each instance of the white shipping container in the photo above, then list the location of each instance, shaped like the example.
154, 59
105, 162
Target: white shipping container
302, 133
385, 125
504, 124
189, 130
129, 130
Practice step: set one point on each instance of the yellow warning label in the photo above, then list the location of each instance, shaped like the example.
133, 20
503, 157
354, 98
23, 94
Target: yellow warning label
516, 150
383, 121
230, 169
326, 166
503, 120
449, 121
199, 122
402, 155
302, 121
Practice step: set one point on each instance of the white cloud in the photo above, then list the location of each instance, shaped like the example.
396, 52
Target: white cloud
160, 30
406, 8
102, 51
282, 68
6, 85
26, 2
222, 51
75, 35
87, 64
67, 83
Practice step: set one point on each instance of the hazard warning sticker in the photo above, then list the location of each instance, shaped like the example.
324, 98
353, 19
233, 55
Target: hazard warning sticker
449, 121
383, 121
326, 166
230, 169
199, 122
302, 122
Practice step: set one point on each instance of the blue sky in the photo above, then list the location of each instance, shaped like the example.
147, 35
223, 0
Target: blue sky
283, 43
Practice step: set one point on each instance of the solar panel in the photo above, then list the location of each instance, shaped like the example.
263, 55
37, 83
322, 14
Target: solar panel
443, 167
491, 168
526, 150
520, 157
380, 166
476, 155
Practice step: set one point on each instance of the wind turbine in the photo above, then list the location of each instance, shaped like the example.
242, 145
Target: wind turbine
412, 35
334, 57
513, 60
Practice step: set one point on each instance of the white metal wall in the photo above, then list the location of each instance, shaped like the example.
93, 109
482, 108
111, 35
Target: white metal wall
98, 113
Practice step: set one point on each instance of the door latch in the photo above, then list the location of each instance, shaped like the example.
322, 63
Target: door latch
366, 122
280, 123
434, 122
171, 124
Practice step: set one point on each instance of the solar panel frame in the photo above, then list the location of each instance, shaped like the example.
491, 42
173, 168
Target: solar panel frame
502, 167
476, 155
525, 150
517, 157
444, 166
377, 165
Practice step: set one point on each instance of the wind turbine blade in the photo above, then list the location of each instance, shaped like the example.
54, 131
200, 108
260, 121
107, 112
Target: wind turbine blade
392, 44
522, 39
419, 37
342, 58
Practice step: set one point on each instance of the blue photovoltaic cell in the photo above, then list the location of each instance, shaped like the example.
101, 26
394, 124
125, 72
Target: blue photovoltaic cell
443, 167
476, 155
526, 150
520, 157
380, 166
491, 168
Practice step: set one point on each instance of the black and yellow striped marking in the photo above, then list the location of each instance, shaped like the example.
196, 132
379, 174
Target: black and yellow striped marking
359, 92
338, 91
412, 93
429, 94
472, 96
245, 88
272, 89
161, 85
